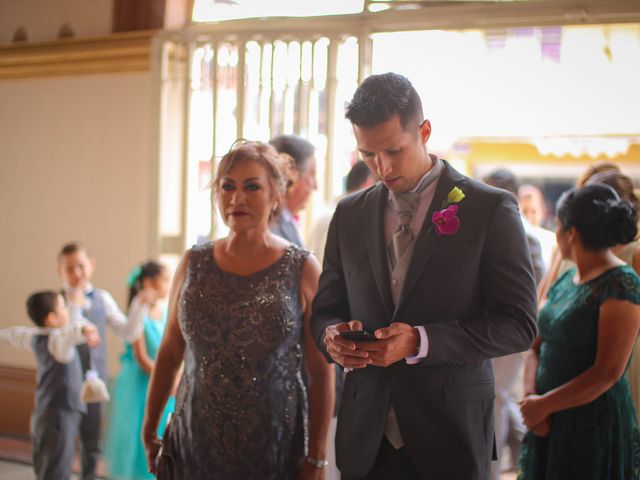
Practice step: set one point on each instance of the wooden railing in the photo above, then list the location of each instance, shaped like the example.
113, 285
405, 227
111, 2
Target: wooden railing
17, 388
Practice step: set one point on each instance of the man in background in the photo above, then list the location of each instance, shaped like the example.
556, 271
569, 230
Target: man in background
534, 209
358, 178
286, 224
508, 370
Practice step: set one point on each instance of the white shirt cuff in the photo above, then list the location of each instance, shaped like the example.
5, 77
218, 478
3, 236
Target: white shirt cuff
423, 347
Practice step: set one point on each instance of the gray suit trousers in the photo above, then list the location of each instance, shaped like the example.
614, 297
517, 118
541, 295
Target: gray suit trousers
54, 433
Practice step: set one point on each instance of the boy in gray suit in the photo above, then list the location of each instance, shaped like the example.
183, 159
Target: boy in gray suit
55, 422
76, 267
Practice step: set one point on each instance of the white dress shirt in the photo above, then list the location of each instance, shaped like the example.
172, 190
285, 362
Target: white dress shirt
126, 328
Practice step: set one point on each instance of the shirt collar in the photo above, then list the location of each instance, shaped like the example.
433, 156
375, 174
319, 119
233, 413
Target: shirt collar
89, 289
434, 172
286, 215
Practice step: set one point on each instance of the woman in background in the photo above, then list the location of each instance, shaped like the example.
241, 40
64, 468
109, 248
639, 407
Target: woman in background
577, 404
609, 174
558, 264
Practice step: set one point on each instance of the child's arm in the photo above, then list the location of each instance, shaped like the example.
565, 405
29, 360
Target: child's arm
20, 337
62, 341
127, 329
143, 359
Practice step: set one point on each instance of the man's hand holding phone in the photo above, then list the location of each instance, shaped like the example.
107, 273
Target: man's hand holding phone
352, 347
344, 350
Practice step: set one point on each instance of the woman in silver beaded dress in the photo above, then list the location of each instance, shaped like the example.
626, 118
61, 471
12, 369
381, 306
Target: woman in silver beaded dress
238, 318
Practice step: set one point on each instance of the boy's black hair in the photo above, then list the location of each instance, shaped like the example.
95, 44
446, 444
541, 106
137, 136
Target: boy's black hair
41, 304
71, 247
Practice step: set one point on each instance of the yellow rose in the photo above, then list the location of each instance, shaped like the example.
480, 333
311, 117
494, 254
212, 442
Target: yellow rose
455, 195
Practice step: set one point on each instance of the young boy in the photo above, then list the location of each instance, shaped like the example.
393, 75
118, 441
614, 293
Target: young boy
55, 423
75, 268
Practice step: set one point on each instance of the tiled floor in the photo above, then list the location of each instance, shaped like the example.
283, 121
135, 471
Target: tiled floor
18, 471
15, 471
15, 460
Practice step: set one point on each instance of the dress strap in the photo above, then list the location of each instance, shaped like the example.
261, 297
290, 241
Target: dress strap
293, 264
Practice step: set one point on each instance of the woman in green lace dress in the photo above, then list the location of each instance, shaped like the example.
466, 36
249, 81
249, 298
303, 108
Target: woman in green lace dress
577, 405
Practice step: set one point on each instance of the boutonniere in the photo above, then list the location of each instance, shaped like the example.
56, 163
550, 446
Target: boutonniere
446, 220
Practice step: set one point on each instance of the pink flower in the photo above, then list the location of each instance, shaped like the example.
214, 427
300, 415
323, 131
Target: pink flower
446, 221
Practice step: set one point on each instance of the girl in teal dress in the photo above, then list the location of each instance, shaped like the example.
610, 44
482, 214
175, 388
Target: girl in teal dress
577, 405
124, 450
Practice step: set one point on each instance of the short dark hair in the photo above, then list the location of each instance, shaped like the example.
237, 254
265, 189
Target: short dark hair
357, 176
380, 97
601, 218
41, 304
504, 179
300, 149
70, 248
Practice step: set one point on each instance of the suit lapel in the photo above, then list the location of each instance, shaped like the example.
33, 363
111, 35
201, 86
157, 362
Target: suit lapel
427, 241
292, 233
374, 227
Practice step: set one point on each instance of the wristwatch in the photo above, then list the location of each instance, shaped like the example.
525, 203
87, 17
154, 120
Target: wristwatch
317, 463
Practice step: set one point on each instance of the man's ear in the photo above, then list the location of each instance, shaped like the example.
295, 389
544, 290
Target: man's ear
425, 131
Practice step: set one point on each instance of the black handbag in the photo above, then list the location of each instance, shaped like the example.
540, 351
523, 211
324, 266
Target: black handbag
165, 460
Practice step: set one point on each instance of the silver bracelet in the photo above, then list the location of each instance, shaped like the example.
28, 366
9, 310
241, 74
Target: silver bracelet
317, 463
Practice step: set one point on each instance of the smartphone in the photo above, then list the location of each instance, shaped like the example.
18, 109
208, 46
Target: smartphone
358, 336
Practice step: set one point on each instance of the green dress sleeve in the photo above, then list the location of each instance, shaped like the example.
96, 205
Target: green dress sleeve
622, 284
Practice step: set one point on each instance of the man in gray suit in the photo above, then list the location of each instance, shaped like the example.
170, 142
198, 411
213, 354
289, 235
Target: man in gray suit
436, 267
508, 369
302, 186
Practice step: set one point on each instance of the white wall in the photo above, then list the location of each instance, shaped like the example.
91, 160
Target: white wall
43, 18
75, 161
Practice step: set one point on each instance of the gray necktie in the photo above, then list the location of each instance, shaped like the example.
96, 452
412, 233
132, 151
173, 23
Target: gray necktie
405, 205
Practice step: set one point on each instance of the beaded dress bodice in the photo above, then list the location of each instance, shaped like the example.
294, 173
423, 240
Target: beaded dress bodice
241, 405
